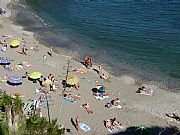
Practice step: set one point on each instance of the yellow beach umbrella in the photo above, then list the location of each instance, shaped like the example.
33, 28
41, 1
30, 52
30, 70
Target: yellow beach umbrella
72, 80
15, 43
35, 75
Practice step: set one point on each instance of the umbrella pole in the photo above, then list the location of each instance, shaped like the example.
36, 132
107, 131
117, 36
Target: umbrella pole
66, 75
48, 108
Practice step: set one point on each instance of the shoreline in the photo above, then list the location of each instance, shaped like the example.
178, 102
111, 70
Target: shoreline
161, 81
124, 87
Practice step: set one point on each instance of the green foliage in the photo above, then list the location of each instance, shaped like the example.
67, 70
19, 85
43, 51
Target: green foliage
5, 100
4, 129
2, 115
36, 125
54, 130
17, 104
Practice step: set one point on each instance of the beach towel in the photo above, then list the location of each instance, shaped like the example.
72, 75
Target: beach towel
68, 101
147, 94
84, 127
101, 98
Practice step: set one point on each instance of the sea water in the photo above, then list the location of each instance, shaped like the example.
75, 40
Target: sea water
135, 37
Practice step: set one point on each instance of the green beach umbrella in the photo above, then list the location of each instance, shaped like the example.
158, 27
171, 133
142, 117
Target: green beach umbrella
35, 75
142, 130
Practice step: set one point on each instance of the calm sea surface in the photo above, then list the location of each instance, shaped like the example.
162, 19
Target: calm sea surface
133, 37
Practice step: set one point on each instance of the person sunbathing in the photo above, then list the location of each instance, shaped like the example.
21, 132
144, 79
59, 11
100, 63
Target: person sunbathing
104, 77
77, 124
143, 89
100, 94
87, 108
108, 124
174, 116
115, 102
116, 123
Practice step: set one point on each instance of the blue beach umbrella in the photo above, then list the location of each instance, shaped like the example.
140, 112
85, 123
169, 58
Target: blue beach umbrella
14, 80
5, 60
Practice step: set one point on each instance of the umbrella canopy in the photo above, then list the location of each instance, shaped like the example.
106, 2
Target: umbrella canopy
15, 43
72, 80
35, 75
101, 88
142, 130
14, 79
5, 60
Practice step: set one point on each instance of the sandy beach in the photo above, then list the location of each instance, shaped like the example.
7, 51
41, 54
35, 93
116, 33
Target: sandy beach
136, 109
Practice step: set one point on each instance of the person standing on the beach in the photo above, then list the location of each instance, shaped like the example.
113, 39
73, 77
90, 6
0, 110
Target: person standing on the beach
50, 51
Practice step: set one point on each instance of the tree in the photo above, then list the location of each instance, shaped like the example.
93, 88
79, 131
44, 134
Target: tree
36, 125
13, 109
17, 112
6, 103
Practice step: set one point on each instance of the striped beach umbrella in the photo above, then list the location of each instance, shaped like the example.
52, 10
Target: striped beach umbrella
101, 88
15, 43
14, 80
5, 60
72, 80
35, 75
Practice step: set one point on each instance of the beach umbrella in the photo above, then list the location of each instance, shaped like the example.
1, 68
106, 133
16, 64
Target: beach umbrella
142, 130
14, 80
72, 80
5, 60
101, 88
35, 75
15, 43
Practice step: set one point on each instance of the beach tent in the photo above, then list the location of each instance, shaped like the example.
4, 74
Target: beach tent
142, 130
15, 43
14, 80
72, 80
35, 75
5, 61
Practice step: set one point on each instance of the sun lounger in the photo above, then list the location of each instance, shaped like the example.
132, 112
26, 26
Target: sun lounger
84, 127
28, 107
41, 103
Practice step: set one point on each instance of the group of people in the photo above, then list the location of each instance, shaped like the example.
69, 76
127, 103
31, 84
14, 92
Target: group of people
113, 124
88, 61
144, 90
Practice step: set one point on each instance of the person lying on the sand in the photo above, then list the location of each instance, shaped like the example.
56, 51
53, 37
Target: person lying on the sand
80, 70
87, 108
23, 51
7, 36
144, 90
41, 99
174, 116
104, 77
108, 124
77, 123
88, 61
116, 123
115, 102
